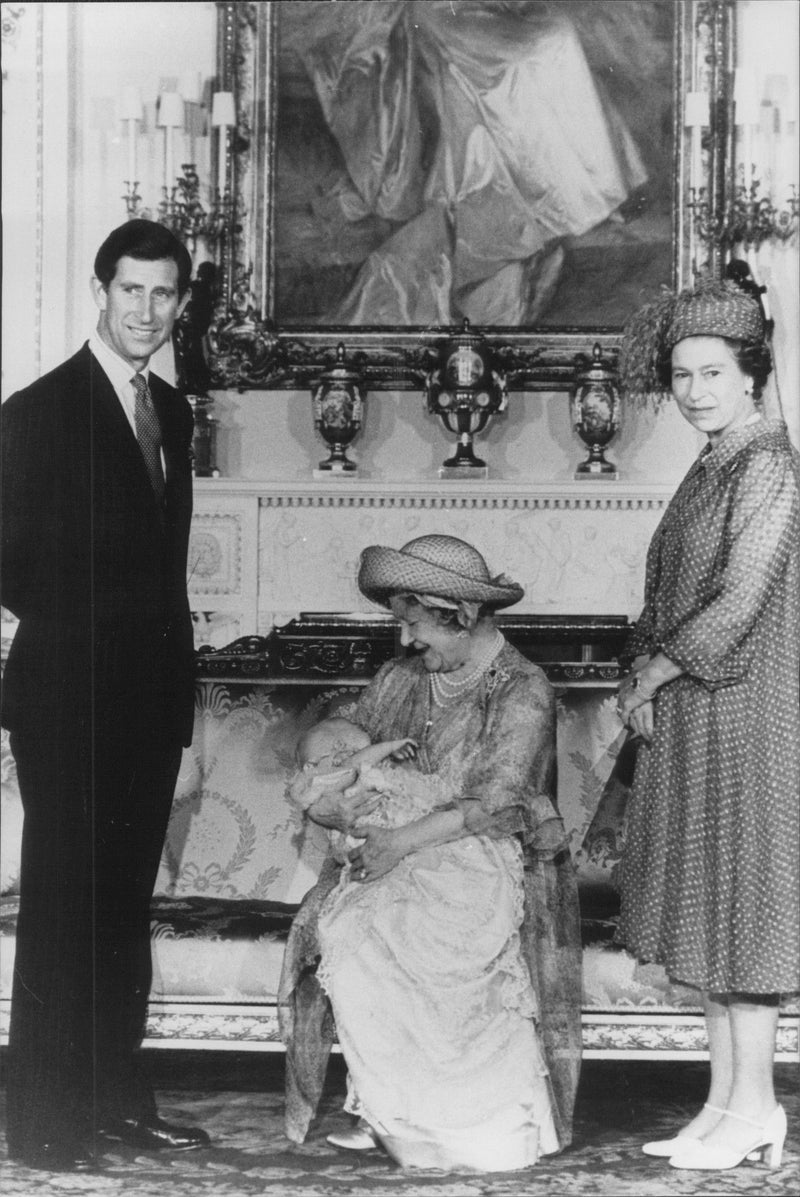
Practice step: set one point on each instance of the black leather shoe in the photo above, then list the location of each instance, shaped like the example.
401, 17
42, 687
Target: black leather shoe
58, 1156
153, 1134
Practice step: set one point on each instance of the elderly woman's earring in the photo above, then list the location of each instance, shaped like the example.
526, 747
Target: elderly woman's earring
463, 632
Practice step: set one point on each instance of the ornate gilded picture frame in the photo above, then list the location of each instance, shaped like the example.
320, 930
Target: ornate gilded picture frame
401, 170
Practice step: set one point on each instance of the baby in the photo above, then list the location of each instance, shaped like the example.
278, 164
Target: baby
337, 755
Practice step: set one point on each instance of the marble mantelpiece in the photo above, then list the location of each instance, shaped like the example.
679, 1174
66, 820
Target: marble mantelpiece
262, 552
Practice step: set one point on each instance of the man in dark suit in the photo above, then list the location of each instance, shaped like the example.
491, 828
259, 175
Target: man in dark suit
98, 697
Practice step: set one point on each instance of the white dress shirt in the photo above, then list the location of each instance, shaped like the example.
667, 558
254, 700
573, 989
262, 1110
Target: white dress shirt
119, 374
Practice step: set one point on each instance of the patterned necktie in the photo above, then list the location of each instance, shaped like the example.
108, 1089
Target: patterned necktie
148, 433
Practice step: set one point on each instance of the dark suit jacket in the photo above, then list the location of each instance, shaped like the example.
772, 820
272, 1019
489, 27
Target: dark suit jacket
94, 570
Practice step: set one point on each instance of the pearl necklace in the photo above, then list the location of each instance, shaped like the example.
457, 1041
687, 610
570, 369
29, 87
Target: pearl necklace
443, 690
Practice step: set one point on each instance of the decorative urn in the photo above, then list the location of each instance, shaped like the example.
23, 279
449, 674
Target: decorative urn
338, 398
465, 391
596, 413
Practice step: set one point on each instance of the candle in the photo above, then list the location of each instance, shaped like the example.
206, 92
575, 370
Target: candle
696, 117
222, 160
696, 109
131, 151
773, 128
747, 156
131, 104
747, 115
130, 113
170, 118
191, 87
223, 116
745, 97
767, 136
793, 137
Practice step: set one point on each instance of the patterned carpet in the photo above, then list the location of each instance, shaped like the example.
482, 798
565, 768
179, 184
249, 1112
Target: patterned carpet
238, 1100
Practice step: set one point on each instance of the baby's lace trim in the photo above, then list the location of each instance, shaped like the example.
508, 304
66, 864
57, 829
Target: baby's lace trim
363, 900
516, 990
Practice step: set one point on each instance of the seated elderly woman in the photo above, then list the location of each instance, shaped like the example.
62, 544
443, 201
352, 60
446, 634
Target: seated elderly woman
449, 950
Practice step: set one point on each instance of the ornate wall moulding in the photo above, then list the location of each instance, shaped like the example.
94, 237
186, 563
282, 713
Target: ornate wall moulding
215, 553
572, 554
503, 497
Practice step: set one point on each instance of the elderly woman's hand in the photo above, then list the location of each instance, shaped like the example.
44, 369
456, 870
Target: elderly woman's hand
341, 811
632, 694
641, 721
638, 689
378, 855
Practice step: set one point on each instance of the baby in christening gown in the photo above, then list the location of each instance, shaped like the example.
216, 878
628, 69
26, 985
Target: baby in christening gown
337, 755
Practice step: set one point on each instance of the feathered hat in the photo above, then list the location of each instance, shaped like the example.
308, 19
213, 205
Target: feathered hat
712, 309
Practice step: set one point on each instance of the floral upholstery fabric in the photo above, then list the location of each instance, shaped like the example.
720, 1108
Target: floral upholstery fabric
232, 833
238, 857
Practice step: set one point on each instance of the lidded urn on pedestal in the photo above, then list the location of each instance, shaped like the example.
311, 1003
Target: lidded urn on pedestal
596, 413
338, 399
465, 391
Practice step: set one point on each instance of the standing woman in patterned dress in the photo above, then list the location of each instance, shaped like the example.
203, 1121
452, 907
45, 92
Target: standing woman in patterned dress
711, 870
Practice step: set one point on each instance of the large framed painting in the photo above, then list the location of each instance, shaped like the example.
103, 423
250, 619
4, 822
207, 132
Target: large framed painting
402, 166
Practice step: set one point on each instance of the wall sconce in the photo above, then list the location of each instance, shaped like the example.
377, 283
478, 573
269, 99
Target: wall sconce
180, 119
596, 413
765, 152
465, 390
337, 398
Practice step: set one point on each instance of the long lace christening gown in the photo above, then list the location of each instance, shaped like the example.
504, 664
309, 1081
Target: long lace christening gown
433, 1003
455, 978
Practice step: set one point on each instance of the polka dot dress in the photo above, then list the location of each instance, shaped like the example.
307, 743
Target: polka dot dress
712, 865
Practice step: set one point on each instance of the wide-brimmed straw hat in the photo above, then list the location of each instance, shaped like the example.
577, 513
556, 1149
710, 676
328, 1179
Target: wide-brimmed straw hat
443, 566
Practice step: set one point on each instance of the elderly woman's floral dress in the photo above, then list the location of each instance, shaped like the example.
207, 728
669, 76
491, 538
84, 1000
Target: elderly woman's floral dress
433, 969
712, 864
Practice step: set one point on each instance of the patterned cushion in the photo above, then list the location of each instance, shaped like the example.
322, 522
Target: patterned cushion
226, 950
203, 948
232, 951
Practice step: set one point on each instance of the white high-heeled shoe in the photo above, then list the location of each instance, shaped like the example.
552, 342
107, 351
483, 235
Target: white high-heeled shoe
769, 1146
360, 1138
666, 1148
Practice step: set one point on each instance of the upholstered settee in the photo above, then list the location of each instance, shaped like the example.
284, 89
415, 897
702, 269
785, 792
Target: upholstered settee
238, 859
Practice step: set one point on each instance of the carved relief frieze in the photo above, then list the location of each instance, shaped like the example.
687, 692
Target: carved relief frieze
662, 1033
573, 552
215, 553
226, 1024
